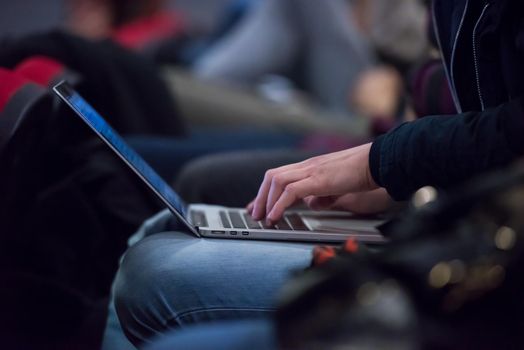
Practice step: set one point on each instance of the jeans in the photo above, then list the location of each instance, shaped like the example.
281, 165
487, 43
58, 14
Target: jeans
252, 335
169, 280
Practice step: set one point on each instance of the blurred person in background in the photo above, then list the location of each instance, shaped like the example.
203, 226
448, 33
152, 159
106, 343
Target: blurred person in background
349, 56
329, 48
137, 25
98, 19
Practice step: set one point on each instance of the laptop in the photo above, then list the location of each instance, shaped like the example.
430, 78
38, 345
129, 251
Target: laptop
211, 221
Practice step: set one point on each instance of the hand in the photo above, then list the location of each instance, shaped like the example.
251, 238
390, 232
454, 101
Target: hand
334, 174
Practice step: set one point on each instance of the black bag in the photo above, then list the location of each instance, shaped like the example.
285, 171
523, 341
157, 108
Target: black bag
450, 278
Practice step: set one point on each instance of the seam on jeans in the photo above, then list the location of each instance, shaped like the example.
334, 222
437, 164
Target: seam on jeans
196, 311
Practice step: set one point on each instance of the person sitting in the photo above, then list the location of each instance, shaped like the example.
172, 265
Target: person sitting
170, 280
324, 48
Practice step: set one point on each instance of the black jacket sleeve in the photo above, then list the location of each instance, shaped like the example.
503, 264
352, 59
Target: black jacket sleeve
442, 151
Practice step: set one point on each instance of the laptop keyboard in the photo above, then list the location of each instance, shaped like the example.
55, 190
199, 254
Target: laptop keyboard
234, 219
225, 220
290, 222
198, 218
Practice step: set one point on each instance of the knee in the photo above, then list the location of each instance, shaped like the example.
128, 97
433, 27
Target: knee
134, 276
138, 292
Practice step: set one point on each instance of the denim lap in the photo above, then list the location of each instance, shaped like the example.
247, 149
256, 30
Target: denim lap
236, 335
172, 279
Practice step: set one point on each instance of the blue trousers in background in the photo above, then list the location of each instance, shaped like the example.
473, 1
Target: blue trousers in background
167, 155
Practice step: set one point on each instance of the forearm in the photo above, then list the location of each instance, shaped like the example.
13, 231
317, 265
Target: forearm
442, 151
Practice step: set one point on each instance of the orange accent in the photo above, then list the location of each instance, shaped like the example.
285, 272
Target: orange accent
351, 246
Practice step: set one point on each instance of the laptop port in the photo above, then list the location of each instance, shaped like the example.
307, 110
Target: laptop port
245, 233
234, 233
218, 232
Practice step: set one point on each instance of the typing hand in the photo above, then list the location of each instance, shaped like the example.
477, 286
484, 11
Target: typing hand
331, 175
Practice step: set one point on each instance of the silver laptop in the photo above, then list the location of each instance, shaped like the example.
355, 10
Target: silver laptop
222, 222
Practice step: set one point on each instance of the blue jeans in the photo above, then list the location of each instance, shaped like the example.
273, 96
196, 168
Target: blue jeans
169, 280
237, 335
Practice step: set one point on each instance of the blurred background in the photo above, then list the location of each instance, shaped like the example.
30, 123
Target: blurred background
25, 17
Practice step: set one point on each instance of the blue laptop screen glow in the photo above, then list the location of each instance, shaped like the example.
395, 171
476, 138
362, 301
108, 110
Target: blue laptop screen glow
125, 151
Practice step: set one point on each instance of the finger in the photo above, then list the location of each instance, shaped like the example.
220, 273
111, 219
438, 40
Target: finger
250, 206
279, 183
259, 208
293, 192
259, 204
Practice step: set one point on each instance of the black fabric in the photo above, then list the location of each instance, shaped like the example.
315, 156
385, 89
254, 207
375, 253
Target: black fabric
68, 215
41, 313
125, 87
14, 114
65, 218
446, 150
436, 91
447, 277
67, 207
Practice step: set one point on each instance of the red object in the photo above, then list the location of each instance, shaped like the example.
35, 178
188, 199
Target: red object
351, 246
40, 69
323, 254
10, 84
140, 33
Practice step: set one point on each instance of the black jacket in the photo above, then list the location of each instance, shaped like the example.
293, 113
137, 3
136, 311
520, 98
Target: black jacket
482, 45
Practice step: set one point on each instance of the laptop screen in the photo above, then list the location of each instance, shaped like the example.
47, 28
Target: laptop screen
133, 159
